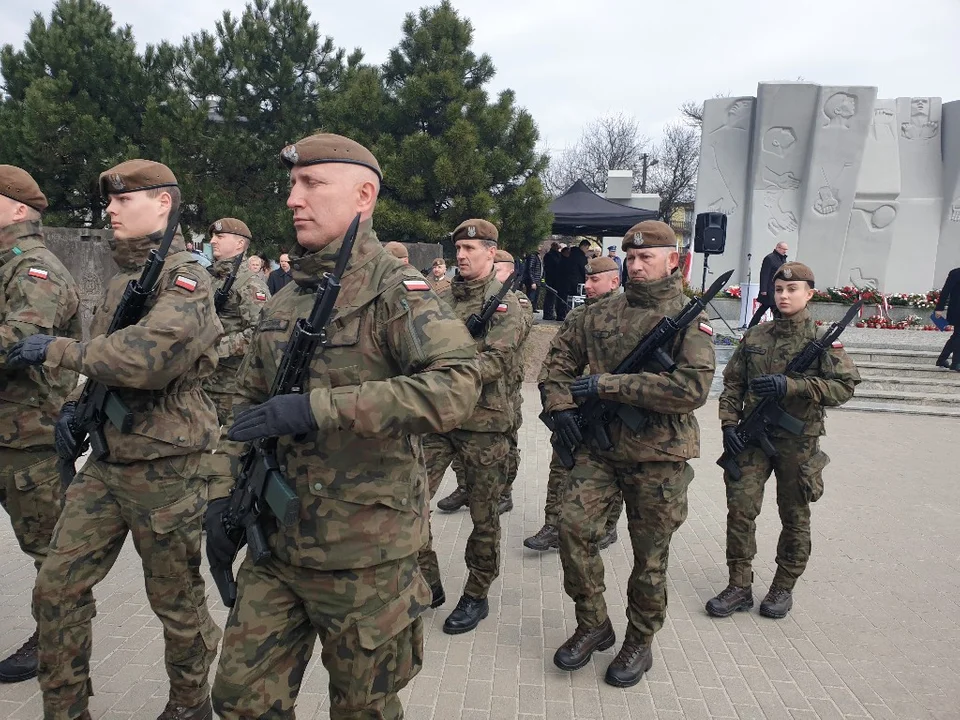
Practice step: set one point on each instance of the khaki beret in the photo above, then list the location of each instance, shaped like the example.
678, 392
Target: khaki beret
503, 256
649, 233
601, 264
476, 230
134, 175
438, 262
398, 250
17, 184
794, 271
329, 148
232, 226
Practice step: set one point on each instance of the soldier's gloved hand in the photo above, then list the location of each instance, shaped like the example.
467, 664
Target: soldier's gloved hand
732, 444
566, 427
221, 546
63, 438
586, 387
280, 415
769, 386
31, 350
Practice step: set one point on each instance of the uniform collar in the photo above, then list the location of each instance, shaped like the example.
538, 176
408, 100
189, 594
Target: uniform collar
654, 292
467, 289
132, 253
222, 268
792, 325
307, 268
11, 235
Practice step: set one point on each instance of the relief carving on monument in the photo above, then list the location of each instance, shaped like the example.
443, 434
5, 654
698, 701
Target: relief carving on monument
955, 210
779, 141
920, 126
779, 196
828, 196
883, 127
839, 109
737, 119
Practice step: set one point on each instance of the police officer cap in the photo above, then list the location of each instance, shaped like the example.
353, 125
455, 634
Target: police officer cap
601, 264
232, 226
398, 250
794, 271
329, 148
503, 256
17, 184
438, 262
134, 175
476, 230
649, 233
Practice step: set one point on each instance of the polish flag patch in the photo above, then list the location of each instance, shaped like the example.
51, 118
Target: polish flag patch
704, 328
502, 307
412, 285
38, 273
261, 296
186, 283
836, 344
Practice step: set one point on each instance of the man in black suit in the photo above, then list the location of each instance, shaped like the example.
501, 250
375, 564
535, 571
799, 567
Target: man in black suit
950, 299
281, 276
771, 263
551, 277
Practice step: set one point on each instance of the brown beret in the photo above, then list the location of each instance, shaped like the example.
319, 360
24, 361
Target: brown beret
329, 148
439, 261
134, 175
503, 256
17, 184
601, 264
232, 226
398, 250
476, 230
649, 233
794, 271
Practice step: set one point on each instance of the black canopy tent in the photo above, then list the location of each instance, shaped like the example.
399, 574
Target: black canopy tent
580, 211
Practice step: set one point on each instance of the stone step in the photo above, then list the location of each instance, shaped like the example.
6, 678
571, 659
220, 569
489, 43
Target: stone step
948, 383
908, 398
893, 355
881, 369
857, 405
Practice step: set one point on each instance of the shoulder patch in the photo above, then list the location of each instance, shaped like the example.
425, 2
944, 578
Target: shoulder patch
260, 295
502, 307
38, 273
186, 283
836, 344
415, 285
704, 328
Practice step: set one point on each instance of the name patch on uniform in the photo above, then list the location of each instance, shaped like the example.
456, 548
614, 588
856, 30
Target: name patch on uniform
185, 283
411, 285
38, 273
502, 307
704, 328
260, 295
836, 344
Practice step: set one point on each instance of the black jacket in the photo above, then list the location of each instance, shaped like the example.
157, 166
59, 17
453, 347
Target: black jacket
533, 269
950, 297
277, 279
551, 267
771, 263
579, 258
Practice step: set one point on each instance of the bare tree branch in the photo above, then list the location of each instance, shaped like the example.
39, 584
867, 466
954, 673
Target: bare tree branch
674, 177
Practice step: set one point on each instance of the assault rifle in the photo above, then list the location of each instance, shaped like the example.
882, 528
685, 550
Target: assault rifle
768, 413
477, 324
99, 403
260, 483
222, 294
595, 415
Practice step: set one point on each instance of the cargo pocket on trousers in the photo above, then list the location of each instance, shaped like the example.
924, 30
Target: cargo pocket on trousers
673, 493
39, 492
172, 538
811, 476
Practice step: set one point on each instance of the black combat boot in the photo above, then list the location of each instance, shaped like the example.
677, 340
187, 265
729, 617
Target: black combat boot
467, 615
576, 652
777, 603
454, 501
506, 503
731, 599
439, 596
609, 538
175, 711
955, 366
22, 665
633, 660
547, 538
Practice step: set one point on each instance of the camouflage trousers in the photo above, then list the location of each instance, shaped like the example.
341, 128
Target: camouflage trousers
655, 494
511, 463
215, 465
557, 482
30, 493
159, 503
482, 455
798, 467
370, 630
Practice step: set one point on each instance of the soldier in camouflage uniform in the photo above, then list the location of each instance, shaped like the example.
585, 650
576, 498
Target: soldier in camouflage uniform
149, 485
396, 364
481, 441
603, 278
756, 371
649, 467
37, 295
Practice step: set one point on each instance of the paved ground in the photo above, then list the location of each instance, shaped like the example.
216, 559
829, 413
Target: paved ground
875, 632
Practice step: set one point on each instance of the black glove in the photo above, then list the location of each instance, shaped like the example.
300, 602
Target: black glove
732, 444
280, 415
63, 437
566, 427
586, 387
769, 386
31, 350
221, 546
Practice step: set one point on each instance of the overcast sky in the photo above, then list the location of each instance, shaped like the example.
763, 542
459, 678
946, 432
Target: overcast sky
572, 60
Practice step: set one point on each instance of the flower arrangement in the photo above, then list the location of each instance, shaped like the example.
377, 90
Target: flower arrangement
912, 322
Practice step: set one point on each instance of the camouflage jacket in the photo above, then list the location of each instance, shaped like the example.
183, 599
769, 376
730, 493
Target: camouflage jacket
602, 335
37, 295
517, 373
156, 366
239, 317
570, 319
397, 364
765, 350
496, 350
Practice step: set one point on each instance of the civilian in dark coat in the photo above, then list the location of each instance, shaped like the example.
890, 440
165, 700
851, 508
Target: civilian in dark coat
532, 276
579, 255
765, 296
551, 277
567, 285
281, 276
950, 299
